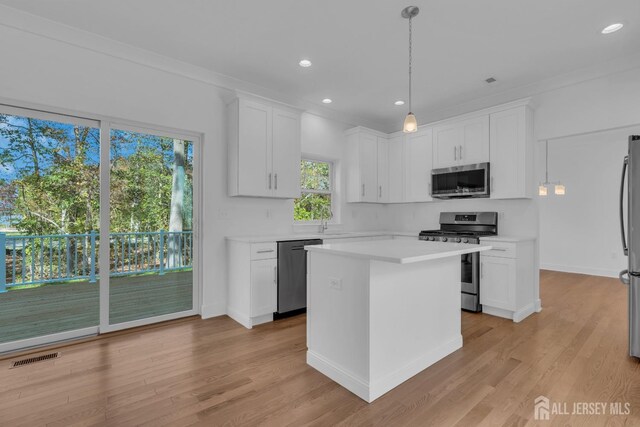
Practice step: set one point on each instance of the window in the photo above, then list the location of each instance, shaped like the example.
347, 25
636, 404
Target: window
316, 183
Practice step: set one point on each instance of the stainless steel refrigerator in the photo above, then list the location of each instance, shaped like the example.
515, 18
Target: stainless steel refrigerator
631, 239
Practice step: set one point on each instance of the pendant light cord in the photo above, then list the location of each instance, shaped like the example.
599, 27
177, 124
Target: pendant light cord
546, 162
410, 59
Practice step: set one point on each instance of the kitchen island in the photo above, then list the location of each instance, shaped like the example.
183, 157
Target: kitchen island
379, 312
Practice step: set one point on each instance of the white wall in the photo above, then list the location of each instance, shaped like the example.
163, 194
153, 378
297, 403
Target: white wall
580, 232
52, 73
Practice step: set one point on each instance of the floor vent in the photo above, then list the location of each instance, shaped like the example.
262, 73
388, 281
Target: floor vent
34, 359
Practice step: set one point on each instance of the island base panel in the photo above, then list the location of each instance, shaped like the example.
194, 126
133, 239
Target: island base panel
372, 325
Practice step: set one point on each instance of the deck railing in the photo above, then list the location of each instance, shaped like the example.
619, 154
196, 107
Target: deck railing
33, 260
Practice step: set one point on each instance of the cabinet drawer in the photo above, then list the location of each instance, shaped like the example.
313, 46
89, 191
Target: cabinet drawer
500, 249
264, 250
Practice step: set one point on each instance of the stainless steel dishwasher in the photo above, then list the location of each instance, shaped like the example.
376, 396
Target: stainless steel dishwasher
292, 275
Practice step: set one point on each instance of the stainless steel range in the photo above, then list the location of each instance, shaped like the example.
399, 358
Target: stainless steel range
466, 227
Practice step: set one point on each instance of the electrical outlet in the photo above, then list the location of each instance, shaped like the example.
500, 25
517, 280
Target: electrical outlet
223, 213
335, 283
500, 215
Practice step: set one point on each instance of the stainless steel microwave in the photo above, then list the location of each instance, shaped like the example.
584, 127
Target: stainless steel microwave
460, 181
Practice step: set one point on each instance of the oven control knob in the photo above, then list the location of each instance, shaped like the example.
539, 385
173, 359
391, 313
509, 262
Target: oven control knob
458, 240
444, 239
465, 240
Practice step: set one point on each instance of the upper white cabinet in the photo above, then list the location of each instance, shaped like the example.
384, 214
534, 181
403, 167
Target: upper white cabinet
362, 158
417, 165
511, 153
396, 169
264, 149
399, 166
461, 142
383, 170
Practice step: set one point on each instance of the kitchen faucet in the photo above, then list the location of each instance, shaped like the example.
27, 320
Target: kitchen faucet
324, 220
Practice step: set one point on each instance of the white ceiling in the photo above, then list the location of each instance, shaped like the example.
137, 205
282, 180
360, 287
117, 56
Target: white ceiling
359, 47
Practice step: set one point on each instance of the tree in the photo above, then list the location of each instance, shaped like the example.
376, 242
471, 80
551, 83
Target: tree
174, 255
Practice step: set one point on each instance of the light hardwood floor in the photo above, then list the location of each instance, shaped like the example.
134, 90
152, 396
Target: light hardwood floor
215, 372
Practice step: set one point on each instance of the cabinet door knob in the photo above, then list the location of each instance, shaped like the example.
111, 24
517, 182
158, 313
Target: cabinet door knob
269, 181
455, 153
362, 190
275, 274
380, 191
276, 179
460, 152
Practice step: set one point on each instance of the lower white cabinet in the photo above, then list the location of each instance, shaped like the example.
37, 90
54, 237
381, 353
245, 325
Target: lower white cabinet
497, 276
508, 285
253, 282
264, 286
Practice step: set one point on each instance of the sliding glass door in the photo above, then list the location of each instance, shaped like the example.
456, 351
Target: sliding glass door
152, 242
70, 268
49, 220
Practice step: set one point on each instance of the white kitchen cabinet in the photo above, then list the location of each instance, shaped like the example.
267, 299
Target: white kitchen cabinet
395, 165
362, 165
264, 287
511, 141
264, 149
417, 165
383, 170
461, 142
508, 286
286, 153
252, 282
498, 275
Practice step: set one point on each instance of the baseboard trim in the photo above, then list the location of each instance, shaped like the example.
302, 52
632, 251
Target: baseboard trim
580, 270
246, 321
538, 304
214, 310
500, 312
385, 384
239, 317
370, 391
342, 376
523, 313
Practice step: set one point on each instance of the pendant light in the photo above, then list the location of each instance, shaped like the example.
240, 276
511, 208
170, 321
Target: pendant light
558, 188
410, 122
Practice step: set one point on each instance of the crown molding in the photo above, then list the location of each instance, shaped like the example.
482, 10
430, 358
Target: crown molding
42, 27
46, 28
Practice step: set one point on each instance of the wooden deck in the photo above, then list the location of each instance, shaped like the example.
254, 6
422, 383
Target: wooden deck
27, 313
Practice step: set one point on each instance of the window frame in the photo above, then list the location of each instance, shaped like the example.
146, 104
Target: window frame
331, 192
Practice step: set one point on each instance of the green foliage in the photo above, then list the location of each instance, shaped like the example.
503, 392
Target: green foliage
49, 178
311, 205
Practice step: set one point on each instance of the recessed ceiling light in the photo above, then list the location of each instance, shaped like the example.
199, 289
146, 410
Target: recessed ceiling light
399, 102
327, 101
304, 63
612, 28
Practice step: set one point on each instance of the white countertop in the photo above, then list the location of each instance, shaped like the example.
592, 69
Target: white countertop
398, 251
327, 235
509, 239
